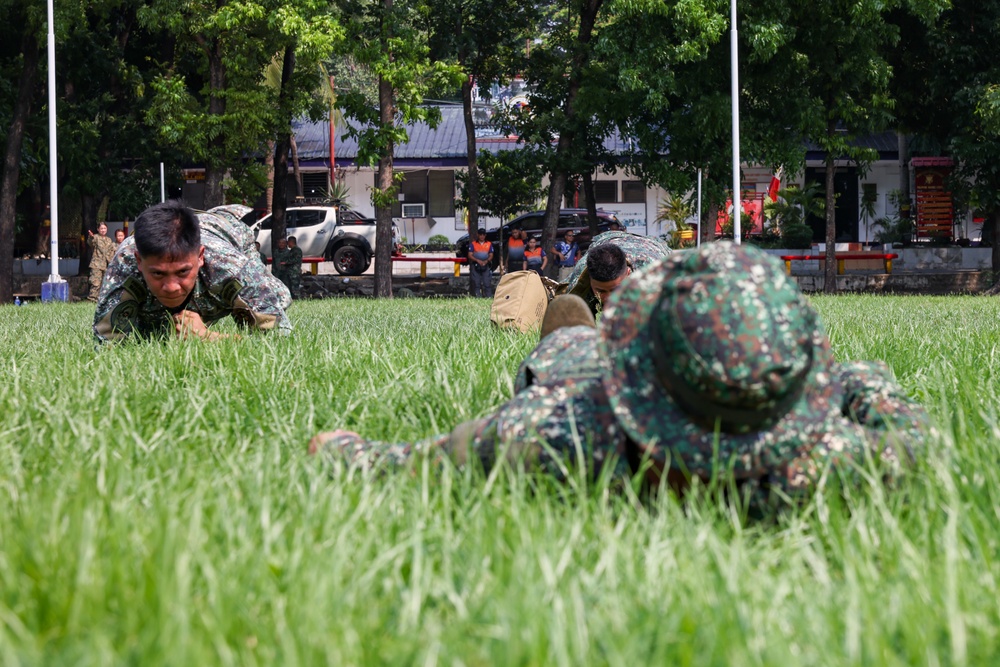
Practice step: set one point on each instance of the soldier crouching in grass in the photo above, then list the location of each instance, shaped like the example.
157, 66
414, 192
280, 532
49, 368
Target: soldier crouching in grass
611, 257
179, 272
708, 364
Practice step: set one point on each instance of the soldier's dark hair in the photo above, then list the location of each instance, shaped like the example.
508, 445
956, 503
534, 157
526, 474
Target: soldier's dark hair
606, 262
292, 239
168, 229
480, 231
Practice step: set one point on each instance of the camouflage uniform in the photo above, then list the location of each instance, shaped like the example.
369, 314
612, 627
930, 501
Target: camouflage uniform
293, 270
278, 259
639, 251
720, 331
232, 281
104, 251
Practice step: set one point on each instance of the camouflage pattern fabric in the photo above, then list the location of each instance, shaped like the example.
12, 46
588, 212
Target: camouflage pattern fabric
293, 270
559, 420
104, 251
233, 282
278, 260
718, 360
639, 251
739, 347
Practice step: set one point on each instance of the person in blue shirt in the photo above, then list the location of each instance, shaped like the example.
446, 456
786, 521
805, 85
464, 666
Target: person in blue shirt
567, 254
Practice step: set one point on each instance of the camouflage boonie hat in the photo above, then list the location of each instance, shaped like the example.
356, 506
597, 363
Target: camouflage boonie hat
716, 357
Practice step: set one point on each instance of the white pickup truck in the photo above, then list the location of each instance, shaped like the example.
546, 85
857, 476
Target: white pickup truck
348, 240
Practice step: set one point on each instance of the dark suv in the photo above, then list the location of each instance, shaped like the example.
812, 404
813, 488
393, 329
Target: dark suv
570, 219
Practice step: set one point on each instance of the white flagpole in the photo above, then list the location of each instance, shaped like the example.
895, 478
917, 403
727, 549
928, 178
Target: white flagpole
163, 185
734, 58
697, 241
53, 171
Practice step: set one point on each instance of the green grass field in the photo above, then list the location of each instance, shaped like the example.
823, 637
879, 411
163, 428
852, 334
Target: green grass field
157, 506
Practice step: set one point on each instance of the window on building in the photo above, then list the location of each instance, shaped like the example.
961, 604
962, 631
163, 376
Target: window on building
606, 192
314, 185
633, 192
414, 191
441, 193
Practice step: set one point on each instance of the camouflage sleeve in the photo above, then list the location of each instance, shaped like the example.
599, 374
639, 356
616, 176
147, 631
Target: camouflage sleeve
120, 299
552, 429
890, 418
262, 300
566, 353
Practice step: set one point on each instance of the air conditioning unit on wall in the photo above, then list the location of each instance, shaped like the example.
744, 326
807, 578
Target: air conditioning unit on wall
414, 210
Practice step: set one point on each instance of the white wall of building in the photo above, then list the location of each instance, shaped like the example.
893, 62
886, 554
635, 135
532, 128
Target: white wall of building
639, 218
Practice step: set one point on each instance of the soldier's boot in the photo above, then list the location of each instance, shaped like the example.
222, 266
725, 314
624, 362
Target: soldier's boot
567, 310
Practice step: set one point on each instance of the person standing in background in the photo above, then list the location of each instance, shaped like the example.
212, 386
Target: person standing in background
103, 252
293, 267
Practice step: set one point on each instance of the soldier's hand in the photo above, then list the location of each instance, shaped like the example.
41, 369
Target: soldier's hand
320, 439
189, 324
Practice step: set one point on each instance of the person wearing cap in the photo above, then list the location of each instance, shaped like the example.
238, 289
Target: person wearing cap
708, 364
567, 254
181, 271
480, 269
611, 257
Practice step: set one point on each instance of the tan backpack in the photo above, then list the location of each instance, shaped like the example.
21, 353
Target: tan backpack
520, 300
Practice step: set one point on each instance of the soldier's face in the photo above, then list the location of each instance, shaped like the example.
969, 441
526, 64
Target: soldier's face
119, 236
602, 289
171, 279
102, 229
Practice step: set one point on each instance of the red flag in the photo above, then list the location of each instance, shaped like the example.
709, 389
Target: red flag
772, 190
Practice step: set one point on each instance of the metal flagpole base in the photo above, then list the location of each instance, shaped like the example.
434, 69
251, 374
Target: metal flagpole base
56, 289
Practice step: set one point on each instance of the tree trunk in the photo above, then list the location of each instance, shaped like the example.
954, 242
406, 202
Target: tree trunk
280, 197
472, 183
89, 205
588, 192
557, 186
280, 201
830, 268
215, 170
383, 207
558, 175
269, 165
903, 144
707, 224
300, 192
993, 220
12, 162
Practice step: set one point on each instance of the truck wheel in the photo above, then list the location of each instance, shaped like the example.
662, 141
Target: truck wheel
349, 261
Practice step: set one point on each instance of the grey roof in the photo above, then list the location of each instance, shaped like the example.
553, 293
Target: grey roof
445, 143
885, 143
